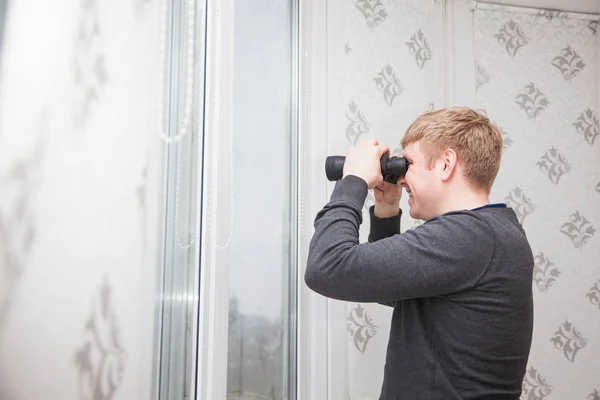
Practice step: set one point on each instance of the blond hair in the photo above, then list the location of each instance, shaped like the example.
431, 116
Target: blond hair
476, 141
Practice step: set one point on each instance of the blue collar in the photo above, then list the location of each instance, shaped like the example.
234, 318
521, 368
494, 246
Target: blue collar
495, 205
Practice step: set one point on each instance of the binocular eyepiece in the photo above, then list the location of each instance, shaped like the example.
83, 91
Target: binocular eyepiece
392, 168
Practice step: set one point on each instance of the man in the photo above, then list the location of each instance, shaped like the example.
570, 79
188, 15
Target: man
460, 283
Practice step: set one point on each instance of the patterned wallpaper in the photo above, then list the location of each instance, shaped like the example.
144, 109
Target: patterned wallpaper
80, 176
537, 77
381, 75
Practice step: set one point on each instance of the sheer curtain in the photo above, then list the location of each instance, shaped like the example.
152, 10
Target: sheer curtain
81, 177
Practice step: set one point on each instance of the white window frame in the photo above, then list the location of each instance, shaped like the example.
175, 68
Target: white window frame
213, 322
321, 321
322, 348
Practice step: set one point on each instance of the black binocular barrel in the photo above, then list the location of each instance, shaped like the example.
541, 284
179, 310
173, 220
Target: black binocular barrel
392, 168
334, 167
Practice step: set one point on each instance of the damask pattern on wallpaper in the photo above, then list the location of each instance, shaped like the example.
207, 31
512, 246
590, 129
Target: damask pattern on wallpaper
360, 328
19, 186
90, 75
387, 79
535, 75
100, 360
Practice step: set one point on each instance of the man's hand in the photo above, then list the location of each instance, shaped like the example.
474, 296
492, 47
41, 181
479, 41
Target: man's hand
387, 199
364, 161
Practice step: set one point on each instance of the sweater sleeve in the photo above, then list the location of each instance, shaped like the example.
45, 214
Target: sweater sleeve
446, 254
382, 228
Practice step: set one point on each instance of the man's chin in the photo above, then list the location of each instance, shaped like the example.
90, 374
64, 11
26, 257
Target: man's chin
413, 213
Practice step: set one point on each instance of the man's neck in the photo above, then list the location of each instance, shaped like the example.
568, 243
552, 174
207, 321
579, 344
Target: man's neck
464, 199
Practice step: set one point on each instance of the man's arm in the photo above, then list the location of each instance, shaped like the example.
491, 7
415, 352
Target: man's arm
444, 255
382, 228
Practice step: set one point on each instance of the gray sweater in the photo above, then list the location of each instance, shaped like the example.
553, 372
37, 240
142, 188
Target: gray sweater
460, 285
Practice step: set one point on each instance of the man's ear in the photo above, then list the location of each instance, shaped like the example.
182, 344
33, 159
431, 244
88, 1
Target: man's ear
449, 160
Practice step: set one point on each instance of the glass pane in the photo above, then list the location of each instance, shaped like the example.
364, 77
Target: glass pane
259, 249
183, 82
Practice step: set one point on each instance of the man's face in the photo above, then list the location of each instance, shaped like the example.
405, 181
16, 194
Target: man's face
421, 184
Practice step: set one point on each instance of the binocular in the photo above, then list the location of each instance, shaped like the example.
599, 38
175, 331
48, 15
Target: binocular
392, 168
